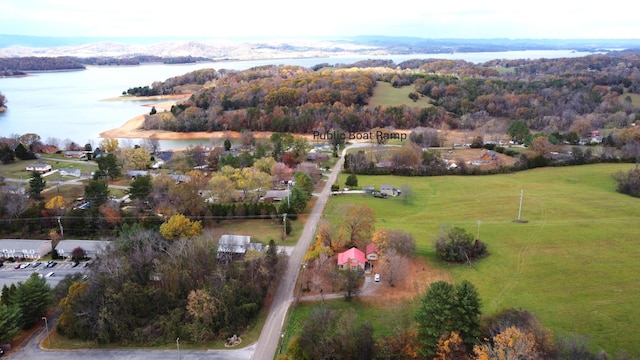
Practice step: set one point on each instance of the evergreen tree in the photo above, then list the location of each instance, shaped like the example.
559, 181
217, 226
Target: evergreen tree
23, 153
33, 298
445, 309
36, 185
352, 180
468, 312
9, 323
7, 155
435, 316
96, 192
140, 187
108, 166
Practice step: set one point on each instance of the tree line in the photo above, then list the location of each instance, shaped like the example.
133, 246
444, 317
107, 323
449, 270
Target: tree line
16, 66
446, 325
547, 94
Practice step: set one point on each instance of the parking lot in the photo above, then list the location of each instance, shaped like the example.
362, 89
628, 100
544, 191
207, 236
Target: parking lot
9, 274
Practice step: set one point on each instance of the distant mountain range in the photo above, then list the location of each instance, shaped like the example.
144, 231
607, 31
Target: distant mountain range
217, 49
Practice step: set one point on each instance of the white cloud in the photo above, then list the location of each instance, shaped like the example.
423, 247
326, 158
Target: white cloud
248, 18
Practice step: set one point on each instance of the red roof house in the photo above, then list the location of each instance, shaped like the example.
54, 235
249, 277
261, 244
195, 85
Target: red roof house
352, 259
371, 251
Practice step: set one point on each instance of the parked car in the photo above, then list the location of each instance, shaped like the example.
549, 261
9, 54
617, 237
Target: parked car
51, 264
36, 264
24, 266
75, 263
50, 274
17, 266
376, 277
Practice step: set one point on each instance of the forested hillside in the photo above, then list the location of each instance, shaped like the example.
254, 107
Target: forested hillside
549, 95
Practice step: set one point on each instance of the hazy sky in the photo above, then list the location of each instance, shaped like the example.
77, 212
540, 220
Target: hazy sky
300, 18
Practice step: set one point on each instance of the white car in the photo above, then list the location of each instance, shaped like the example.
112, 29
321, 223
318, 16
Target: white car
50, 274
376, 277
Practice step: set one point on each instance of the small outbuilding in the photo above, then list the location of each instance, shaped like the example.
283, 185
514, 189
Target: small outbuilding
371, 252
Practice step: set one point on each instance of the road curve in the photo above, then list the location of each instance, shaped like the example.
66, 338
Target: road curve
269, 343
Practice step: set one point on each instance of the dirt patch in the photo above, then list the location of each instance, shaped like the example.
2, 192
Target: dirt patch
316, 284
415, 283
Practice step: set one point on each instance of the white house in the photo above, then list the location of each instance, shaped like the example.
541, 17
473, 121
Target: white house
91, 248
24, 249
39, 168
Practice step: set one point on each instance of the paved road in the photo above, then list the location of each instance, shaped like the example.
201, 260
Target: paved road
270, 338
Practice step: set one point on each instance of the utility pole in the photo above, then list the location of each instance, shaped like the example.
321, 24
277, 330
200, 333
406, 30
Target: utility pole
46, 324
61, 229
520, 208
284, 226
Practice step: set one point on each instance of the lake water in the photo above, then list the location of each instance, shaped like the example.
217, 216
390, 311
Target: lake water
69, 105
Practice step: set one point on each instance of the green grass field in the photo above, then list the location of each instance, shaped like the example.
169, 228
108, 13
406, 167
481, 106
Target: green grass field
635, 99
573, 264
386, 95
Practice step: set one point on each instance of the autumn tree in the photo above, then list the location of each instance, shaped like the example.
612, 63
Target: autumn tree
36, 186
524, 321
179, 226
202, 306
396, 241
135, 158
55, 204
408, 157
109, 145
222, 188
511, 344
451, 347
358, 226
541, 146
77, 253
265, 164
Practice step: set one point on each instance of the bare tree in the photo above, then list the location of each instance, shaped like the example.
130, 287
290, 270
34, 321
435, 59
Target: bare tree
393, 267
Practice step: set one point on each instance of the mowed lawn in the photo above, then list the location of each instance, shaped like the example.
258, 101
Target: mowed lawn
574, 264
386, 95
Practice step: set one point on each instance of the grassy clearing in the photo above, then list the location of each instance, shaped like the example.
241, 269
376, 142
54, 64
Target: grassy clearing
386, 95
382, 320
571, 264
635, 99
16, 169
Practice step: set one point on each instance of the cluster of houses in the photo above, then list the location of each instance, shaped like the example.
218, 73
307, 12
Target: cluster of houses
234, 247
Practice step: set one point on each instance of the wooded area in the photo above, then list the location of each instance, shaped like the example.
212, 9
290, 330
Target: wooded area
549, 95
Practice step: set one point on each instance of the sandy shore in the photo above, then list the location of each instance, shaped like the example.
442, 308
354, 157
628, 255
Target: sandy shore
132, 129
